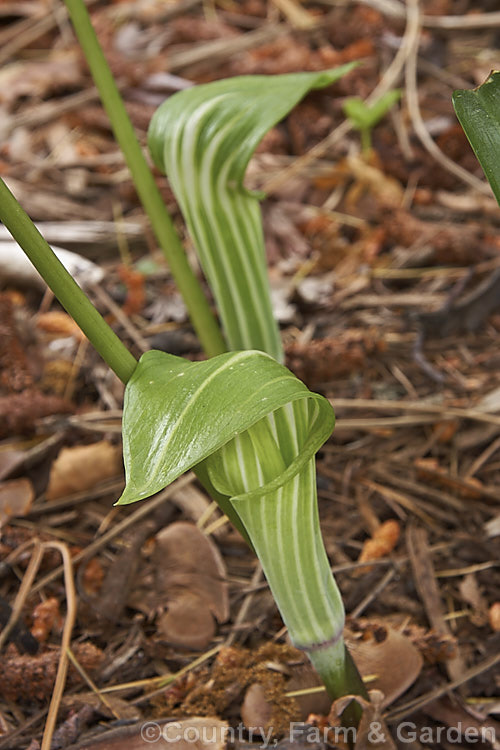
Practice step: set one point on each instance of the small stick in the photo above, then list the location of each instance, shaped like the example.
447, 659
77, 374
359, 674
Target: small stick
62, 668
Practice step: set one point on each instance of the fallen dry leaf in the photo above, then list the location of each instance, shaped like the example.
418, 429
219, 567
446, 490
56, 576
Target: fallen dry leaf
256, 710
388, 656
16, 497
82, 467
187, 622
190, 578
59, 323
470, 593
10, 459
372, 731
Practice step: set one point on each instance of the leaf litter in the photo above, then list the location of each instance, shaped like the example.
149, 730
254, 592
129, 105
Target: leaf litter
387, 268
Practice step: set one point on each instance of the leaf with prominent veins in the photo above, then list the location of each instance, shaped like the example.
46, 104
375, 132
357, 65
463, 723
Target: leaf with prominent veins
250, 429
203, 139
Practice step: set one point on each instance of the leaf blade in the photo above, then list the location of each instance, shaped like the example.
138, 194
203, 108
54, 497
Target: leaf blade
177, 413
478, 111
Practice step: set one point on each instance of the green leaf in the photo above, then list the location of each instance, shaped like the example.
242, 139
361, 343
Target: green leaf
250, 429
203, 138
479, 114
366, 117
177, 413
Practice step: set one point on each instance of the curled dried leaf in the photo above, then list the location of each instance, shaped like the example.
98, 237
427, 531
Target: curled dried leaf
82, 467
388, 656
381, 544
372, 731
190, 578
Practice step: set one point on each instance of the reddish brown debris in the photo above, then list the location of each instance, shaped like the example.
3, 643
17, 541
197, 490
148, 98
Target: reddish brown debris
31, 678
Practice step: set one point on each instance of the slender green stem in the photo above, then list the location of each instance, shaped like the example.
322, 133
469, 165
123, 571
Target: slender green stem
67, 291
168, 239
366, 139
338, 671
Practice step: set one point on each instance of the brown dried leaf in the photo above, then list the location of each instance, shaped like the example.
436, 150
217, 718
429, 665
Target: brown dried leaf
59, 323
187, 622
10, 460
256, 710
372, 731
388, 655
16, 498
469, 590
190, 578
195, 733
82, 467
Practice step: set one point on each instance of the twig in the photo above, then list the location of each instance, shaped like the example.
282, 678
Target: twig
245, 606
380, 586
219, 49
428, 590
142, 511
90, 682
121, 317
62, 668
23, 592
423, 700
414, 20
442, 411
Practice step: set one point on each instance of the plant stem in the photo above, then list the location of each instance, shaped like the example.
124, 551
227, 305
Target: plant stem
338, 671
67, 291
366, 140
168, 239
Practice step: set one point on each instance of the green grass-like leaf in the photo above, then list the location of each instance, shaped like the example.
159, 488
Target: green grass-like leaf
478, 111
203, 138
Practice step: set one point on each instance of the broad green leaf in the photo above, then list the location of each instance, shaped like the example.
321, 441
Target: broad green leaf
478, 111
177, 413
203, 139
250, 429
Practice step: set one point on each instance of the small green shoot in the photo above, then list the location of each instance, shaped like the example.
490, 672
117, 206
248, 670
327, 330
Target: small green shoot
478, 111
364, 117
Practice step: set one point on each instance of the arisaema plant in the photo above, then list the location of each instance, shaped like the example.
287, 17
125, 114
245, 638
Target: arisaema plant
246, 425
